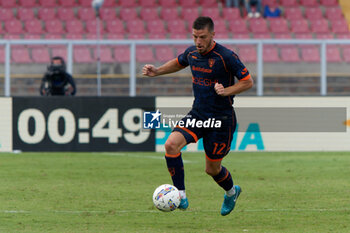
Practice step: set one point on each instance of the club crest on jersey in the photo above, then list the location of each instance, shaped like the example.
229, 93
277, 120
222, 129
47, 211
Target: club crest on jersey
211, 62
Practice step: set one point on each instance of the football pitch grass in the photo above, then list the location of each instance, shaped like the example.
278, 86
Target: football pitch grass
112, 192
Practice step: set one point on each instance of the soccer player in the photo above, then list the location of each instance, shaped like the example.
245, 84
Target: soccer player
213, 69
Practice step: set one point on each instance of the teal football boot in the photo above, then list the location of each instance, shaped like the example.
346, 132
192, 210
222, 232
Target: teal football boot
229, 202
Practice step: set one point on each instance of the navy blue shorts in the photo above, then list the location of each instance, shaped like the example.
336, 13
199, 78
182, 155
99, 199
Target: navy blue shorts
216, 141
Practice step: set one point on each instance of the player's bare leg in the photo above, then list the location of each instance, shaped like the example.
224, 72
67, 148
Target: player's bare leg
175, 142
223, 178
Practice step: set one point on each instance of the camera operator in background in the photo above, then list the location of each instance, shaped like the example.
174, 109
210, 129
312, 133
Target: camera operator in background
56, 80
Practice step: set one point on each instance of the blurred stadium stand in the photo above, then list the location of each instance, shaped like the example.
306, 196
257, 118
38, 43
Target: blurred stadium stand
171, 19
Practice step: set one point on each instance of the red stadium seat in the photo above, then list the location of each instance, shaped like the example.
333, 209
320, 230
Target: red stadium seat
12, 37
169, 14
334, 13
247, 53
270, 3
21, 55
91, 27
128, 3
67, 3
270, 54
333, 54
346, 54
178, 36
325, 36
108, 14
59, 51
304, 36
66, 14
343, 36
34, 27
214, 13
231, 13
258, 25
106, 3
288, 3
128, 14
188, 3
319, 26
157, 36
222, 35
220, 27
278, 25
40, 55
136, 36
147, 3
82, 55
293, 13
299, 26
329, 2
109, 3
313, 13
75, 27
53, 36
189, 14
48, 3
8, 3
45, 13
14, 27
2, 55
28, 3
28, 36
167, 3
310, 54
86, 13
177, 26
309, 2
115, 27
105, 55
54, 26
290, 54
149, 14
264, 35
208, 3
144, 54
122, 54
238, 26
136, 27
115, 36
285, 35
25, 14
72, 36
340, 26
164, 53
6, 14
156, 26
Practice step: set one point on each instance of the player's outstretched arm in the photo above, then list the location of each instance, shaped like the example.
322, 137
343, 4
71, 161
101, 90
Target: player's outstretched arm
169, 67
235, 89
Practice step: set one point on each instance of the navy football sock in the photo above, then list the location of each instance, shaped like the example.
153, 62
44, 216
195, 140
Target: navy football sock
176, 170
224, 179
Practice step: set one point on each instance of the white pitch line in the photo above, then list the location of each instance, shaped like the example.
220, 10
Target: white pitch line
156, 211
143, 156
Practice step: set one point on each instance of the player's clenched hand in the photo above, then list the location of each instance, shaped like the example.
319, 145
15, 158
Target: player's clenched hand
149, 70
219, 89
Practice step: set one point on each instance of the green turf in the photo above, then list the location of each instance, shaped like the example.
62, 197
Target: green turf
112, 192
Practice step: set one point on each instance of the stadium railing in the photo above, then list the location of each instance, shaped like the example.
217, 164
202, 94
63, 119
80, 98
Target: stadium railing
134, 43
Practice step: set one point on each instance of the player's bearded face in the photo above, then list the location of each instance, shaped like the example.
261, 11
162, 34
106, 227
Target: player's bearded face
203, 39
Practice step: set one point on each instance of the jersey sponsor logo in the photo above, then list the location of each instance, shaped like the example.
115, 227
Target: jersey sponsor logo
204, 81
200, 69
211, 62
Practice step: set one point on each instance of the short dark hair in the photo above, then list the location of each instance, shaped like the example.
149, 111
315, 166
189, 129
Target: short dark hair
203, 22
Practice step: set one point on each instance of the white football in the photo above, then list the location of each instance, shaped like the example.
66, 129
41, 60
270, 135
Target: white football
166, 197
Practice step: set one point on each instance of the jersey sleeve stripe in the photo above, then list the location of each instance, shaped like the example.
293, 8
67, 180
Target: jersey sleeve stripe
177, 60
189, 132
245, 78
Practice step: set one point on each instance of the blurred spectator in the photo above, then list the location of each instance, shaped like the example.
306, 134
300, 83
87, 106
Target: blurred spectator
253, 3
272, 11
56, 80
232, 3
